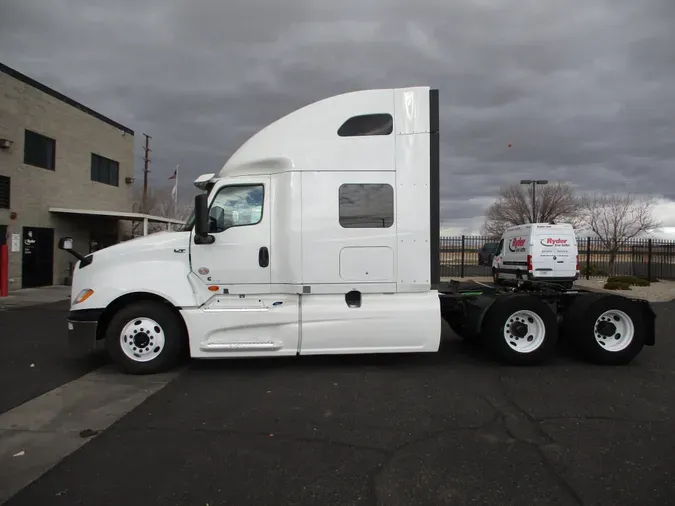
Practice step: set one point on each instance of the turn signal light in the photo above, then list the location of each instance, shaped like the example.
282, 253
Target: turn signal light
529, 262
213, 288
83, 295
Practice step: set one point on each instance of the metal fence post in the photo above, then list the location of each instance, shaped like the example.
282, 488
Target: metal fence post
649, 259
588, 258
461, 267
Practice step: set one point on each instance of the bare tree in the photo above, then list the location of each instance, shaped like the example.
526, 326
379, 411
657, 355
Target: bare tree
159, 202
555, 202
616, 219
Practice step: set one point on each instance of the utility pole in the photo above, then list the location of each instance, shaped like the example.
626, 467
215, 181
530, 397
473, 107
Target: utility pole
146, 160
534, 184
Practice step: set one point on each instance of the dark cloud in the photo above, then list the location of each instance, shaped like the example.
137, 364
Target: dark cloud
584, 93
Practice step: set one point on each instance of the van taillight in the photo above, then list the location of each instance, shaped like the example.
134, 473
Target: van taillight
529, 263
577, 262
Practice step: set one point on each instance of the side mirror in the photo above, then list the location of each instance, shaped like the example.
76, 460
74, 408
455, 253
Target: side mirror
202, 235
66, 243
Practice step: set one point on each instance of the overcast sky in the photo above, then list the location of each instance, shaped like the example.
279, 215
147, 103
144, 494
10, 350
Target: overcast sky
584, 91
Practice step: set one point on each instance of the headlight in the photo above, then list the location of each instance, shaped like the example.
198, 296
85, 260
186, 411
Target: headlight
83, 295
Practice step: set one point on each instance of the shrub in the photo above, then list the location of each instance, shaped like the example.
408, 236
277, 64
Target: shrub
616, 285
592, 270
629, 280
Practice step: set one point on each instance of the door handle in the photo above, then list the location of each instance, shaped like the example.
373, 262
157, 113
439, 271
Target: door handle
263, 257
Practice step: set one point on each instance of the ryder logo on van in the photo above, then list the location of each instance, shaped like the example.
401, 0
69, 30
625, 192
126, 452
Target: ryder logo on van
517, 245
550, 241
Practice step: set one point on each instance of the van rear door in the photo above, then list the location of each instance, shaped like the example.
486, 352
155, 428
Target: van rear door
543, 262
560, 247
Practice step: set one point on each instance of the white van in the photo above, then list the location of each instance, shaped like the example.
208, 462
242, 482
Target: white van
537, 252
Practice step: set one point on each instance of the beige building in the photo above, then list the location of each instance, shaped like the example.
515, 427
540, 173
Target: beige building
65, 170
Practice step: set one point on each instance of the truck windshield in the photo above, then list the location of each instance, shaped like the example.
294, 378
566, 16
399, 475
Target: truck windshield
189, 223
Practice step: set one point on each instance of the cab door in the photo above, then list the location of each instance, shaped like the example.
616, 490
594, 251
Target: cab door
240, 222
242, 317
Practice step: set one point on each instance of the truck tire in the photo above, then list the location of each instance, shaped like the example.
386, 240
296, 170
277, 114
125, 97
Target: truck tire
605, 329
145, 338
520, 330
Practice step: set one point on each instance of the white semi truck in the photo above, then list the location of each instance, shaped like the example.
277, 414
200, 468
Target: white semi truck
320, 235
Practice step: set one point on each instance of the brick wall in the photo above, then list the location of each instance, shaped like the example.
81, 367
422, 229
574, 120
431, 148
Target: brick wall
34, 190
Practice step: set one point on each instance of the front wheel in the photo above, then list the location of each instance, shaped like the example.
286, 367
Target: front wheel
605, 329
145, 338
520, 330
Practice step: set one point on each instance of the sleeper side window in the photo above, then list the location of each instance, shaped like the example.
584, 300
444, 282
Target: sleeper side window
366, 205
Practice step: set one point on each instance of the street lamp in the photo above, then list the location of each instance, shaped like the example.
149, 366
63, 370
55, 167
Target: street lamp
534, 183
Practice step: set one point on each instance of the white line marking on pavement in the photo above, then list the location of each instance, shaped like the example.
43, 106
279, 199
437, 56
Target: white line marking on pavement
483, 284
38, 434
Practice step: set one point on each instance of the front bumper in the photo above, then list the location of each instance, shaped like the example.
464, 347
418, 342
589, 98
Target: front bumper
82, 330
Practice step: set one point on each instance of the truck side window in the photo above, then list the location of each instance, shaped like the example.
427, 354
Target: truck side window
236, 206
499, 248
366, 205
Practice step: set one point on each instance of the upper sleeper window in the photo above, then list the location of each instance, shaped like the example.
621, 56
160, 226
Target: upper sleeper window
366, 206
367, 124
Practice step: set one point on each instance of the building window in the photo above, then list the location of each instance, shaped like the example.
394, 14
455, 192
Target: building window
104, 170
39, 151
367, 124
366, 206
4, 192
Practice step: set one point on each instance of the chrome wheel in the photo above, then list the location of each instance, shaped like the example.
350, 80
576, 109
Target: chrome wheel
524, 331
614, 330
142, 339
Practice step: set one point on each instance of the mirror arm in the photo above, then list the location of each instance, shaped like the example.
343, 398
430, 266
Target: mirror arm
83, 260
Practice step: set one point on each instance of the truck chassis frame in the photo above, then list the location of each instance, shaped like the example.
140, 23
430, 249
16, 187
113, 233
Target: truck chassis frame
604, 328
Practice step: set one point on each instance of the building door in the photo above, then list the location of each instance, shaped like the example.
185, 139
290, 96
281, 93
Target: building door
37, 267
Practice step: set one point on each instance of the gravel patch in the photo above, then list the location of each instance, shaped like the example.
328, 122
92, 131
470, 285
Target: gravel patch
661, 291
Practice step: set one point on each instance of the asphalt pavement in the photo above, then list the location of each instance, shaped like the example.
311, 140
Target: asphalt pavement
446, 428
33, 355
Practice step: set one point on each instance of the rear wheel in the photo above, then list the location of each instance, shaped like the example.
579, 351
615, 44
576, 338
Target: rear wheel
520, 330
145, 338
605, 329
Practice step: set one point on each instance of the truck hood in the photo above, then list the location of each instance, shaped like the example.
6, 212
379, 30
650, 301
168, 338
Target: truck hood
155, 244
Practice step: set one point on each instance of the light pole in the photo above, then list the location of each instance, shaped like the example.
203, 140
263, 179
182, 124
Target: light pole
534, 183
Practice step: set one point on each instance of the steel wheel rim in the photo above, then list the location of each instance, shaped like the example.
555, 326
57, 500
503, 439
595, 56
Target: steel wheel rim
142, 339
524, 331
614, 330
